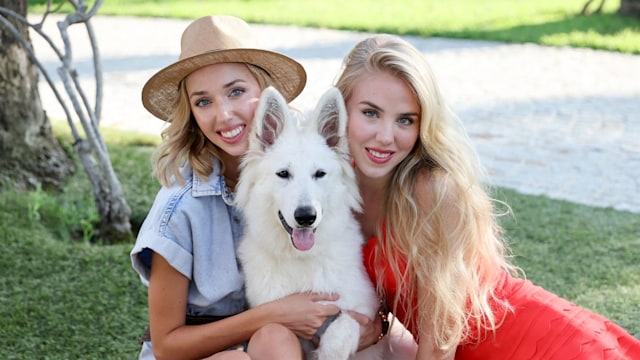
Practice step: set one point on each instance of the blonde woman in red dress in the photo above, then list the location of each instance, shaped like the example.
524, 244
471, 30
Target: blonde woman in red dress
435, 251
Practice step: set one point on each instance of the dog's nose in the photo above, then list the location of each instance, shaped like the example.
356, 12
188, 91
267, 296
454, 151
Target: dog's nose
305, 215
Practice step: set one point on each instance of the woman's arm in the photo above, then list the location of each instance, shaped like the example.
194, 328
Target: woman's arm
402, 345
444, 221
370, 329
172, 339
427, 351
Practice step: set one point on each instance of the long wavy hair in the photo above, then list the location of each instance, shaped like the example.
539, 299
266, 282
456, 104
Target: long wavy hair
183, 141
457, 271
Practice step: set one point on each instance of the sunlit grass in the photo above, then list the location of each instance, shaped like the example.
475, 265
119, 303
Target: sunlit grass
547, 22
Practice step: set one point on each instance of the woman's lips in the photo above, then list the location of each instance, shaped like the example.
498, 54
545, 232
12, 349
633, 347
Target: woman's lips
379, 156
232, 135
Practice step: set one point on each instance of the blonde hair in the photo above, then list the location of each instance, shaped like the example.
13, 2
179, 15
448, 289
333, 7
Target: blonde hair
184, 141
459, 270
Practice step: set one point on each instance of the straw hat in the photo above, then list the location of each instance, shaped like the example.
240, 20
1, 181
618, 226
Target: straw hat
219, 39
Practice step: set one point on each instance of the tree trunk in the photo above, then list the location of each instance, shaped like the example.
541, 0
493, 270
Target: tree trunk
630, 8
29, 154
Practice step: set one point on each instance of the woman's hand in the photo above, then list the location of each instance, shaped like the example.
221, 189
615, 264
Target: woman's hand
304, 313
370, 329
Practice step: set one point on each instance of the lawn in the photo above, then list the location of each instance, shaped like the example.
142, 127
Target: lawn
547, 22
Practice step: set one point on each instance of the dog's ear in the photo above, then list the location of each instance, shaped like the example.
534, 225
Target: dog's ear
270, 116
331, 115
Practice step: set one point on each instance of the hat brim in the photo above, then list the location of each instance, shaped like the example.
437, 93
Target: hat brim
161, 90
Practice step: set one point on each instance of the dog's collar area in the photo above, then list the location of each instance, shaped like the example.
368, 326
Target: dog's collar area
315, 340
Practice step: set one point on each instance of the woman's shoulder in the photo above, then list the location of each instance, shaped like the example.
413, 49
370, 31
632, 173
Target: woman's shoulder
193, 198
435, 186
436, 178
192, 183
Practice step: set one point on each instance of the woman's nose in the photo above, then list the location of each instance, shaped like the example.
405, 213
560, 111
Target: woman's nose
224, 111
384, 132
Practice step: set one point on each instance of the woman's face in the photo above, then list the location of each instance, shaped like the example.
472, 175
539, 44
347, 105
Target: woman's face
384, 123
223, 99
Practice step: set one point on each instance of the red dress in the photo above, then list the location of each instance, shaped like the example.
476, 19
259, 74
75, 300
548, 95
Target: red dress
542, 325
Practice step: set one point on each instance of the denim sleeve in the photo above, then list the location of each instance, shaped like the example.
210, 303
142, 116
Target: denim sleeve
166, 231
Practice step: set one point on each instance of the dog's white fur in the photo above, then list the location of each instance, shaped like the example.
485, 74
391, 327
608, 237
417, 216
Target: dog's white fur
299, 165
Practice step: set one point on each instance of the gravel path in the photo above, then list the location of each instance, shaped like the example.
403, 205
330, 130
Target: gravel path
561, 122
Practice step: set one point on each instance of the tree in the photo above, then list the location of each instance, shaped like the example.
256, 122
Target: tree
587, 11
630, 8
627, 8
29, 154
112, 207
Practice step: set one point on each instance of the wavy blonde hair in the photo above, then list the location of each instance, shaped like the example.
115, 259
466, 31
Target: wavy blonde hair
457, 270
183, 141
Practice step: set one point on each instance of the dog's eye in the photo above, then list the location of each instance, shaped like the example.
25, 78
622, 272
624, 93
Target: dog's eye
319, 174
283, 174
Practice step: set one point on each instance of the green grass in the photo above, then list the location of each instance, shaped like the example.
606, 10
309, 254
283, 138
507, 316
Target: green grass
585, 254
63, 298
547, 22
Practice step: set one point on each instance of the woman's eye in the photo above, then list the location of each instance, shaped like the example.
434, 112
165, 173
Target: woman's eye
202, 102
237, 92
370, 113
405, 121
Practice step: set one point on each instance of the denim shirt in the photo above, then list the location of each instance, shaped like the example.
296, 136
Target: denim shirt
195, 228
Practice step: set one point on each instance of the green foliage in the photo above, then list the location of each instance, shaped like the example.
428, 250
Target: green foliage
130, 154
133, 167
547, 22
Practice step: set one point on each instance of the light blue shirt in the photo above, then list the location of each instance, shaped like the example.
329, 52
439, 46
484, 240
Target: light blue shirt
195, 228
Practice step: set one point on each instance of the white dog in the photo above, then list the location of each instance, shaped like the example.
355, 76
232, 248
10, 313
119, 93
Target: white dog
297, 191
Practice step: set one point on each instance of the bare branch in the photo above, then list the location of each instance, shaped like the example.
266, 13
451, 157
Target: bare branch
93, 152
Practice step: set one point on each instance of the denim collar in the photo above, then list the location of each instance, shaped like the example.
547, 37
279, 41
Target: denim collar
214, 185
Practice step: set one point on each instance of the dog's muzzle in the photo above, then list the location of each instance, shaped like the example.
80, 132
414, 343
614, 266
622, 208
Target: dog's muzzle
286, 226
303, 236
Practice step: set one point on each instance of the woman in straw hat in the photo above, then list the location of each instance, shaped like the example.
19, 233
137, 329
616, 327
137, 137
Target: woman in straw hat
197, 305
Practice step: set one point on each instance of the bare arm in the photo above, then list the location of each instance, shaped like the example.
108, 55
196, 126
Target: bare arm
426, 351
370, 329
173, 339
444, 223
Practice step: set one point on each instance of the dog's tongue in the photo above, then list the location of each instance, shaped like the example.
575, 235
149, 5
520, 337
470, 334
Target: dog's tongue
303, 239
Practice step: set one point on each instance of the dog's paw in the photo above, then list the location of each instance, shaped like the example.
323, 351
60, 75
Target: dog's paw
340, 340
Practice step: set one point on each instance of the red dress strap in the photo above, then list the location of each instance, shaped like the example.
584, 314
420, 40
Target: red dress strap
389, 285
